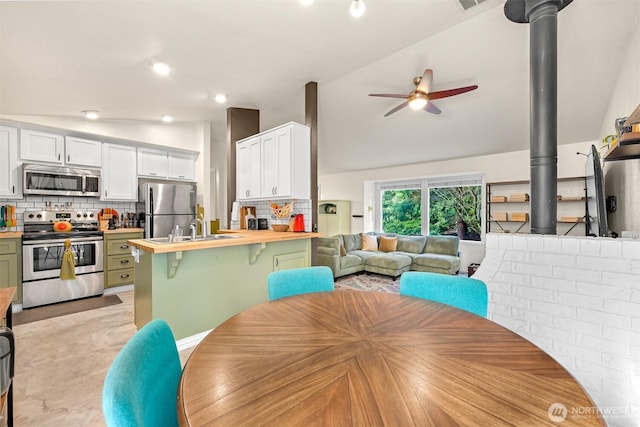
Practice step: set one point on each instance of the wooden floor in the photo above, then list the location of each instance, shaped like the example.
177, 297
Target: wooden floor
61, 364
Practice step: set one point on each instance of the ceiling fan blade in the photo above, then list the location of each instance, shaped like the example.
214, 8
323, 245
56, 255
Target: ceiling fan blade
399, 107
388, 95
432, 108
451, 92
425, 81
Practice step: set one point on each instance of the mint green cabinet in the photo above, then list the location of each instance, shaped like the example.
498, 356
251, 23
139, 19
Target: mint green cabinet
11, 266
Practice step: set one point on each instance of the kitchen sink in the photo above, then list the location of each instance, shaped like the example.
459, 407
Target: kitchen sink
187, 239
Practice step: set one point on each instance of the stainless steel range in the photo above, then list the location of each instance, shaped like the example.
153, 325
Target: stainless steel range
42, 250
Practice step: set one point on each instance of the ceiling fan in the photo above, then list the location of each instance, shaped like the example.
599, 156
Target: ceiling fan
420, 98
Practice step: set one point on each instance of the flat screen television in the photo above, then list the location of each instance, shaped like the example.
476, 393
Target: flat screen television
596, 205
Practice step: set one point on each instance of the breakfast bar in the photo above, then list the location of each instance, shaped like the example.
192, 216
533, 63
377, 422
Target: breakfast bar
197, 285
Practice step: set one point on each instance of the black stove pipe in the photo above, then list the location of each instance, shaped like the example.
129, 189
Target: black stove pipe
542, 15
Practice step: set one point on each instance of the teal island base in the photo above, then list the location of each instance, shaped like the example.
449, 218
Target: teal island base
196, 290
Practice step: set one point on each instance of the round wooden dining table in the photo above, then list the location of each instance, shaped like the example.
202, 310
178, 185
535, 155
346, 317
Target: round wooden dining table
353, 358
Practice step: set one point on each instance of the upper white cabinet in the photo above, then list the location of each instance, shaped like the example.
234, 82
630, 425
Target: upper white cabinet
248, 169
166, 164
182, 166
119, 179
9, 165
37, 146
283, 166
41, 146
82, 152
152, 163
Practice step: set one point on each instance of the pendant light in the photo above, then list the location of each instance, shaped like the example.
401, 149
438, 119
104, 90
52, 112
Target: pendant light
357, 8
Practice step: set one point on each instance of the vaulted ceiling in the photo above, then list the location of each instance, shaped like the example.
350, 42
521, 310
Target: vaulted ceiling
58, 58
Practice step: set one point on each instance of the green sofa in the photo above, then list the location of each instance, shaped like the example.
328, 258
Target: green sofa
344, 255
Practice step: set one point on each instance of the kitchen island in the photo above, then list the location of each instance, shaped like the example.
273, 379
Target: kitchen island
197, 285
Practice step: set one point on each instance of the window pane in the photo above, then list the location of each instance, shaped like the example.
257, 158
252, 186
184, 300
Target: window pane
456, 211
401, 211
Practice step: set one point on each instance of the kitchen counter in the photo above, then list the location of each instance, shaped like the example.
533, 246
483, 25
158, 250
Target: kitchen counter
11, 235
195, 286
248, 237
124, 230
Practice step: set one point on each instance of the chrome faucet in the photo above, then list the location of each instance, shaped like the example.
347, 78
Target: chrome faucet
193, 226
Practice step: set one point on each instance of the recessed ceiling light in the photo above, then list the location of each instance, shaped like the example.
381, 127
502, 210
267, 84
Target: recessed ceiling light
161, 68
90, 114
167, 119
220, 98
306, 2
357, 8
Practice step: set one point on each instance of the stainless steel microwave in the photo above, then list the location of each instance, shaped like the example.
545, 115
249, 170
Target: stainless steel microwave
61, 181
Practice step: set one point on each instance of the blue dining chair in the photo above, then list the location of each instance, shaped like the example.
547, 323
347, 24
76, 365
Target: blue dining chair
141, 386
296, 281
462, 292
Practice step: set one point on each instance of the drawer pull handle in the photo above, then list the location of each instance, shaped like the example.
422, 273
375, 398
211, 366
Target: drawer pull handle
124, 247
124, 261
124, 276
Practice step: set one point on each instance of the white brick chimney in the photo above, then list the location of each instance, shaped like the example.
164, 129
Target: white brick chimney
577, 298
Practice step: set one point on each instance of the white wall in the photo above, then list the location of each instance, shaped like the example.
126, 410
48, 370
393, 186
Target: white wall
358, 186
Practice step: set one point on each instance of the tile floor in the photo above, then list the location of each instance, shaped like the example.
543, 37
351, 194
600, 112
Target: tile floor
61, 364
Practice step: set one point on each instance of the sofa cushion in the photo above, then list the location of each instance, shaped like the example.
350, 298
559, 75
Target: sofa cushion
352, 242
437, 261
446, 245
369, 242
349, 261
388, 261
414, 244
387, 244
363, 255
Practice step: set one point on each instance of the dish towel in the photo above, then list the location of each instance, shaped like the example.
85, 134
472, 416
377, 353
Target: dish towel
68, 267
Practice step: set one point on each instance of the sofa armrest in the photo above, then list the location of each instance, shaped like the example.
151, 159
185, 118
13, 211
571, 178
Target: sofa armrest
324, 250
332, 242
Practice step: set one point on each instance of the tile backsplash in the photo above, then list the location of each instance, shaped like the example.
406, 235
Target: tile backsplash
30, 203
263, 210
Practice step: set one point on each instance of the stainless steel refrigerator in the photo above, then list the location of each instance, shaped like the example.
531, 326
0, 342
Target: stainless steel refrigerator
165, 205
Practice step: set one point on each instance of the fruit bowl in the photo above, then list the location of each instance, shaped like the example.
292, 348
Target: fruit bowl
280, 227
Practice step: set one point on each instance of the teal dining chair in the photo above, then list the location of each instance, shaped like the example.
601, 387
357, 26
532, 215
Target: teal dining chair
458, 291
141, 386
296, 281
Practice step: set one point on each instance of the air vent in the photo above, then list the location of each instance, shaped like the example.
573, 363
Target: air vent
468, 4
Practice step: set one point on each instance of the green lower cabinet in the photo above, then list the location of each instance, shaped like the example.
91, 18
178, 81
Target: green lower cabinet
292, 260
119, 266
11, 266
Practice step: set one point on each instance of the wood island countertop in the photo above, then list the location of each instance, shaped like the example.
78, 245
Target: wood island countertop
247, 237
11, 235
124, 230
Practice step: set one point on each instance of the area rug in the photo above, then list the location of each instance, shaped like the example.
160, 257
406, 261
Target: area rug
61, 309
368, 282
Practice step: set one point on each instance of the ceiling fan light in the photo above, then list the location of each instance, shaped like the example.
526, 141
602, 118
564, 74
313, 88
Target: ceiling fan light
418, 102
357, 8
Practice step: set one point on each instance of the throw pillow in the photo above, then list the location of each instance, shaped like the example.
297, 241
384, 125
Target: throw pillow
343, 251
388, 244
369, 242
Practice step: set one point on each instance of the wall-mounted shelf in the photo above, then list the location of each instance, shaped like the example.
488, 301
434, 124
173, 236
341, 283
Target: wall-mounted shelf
571, 204
628, 147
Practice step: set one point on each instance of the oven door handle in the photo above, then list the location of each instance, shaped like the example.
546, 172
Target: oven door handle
61, 241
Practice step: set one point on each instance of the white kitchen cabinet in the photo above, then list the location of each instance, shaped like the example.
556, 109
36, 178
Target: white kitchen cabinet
41, 146
283, 166
10, 177
286, 162
82, 152
119, 178
181, 166
152, 163
248, 159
